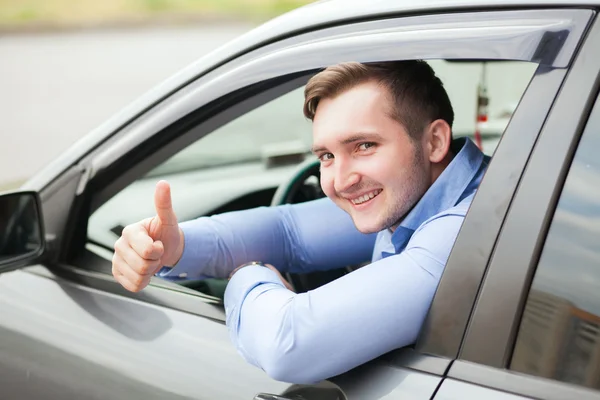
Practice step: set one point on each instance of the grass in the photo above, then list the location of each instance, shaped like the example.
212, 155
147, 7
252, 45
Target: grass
64, 13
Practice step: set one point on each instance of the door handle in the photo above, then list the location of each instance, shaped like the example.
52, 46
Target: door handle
268, 396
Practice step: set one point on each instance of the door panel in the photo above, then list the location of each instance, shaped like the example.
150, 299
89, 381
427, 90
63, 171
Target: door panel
381, 380
495, 320
60, 340
456, 390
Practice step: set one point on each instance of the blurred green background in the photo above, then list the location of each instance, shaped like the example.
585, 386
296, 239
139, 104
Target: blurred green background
20, 14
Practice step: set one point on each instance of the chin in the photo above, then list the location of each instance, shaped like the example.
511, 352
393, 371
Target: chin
367, 227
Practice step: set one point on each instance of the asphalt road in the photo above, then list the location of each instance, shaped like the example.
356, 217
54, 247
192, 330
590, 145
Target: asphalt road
56, 87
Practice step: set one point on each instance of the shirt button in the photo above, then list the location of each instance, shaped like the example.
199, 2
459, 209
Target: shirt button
183, 275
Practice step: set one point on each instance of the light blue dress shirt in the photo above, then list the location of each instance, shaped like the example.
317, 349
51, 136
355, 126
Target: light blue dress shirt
307, 337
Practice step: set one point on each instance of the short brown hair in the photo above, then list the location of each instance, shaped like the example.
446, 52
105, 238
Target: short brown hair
418, 94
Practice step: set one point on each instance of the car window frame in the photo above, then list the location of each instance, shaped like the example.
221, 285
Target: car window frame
176, 115
315, 54
92, 168
491, 336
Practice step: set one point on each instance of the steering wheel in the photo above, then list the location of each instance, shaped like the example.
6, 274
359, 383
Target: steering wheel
297, 190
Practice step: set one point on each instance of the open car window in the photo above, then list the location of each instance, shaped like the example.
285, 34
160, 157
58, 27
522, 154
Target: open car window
241, 164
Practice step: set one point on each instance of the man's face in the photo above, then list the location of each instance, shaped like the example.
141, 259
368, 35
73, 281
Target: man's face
369, 165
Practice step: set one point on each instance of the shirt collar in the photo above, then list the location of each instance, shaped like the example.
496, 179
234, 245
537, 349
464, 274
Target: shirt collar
446, 191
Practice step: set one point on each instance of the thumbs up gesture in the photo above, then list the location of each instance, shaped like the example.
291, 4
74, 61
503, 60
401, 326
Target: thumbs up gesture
146, 246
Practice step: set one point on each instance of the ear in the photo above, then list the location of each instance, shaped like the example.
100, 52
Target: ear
438, 136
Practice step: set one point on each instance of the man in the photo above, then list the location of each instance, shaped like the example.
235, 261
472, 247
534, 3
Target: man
397, 189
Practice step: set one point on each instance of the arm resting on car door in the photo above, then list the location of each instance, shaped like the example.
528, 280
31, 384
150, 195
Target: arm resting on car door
308, 337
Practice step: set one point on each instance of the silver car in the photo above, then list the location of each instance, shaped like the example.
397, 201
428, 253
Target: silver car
517, 312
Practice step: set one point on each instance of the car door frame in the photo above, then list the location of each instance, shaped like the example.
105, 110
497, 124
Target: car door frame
174, 123
491, 335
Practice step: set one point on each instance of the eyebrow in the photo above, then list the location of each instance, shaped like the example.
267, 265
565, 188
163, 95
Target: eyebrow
357, 137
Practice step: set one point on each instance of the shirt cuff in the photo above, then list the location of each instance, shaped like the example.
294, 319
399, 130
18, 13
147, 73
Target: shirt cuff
192, 260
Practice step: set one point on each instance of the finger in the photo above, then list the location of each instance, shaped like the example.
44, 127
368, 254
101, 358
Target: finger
127, 277
115, 271
136, 237
134, 261
163, 204
126, 284
119, 277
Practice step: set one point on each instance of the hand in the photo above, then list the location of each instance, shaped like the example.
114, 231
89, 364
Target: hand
272, 268
146, 246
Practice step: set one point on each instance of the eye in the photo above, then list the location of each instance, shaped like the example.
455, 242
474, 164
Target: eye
366, 146
326, 157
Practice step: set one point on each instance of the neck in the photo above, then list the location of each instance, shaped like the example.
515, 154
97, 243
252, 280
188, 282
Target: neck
438, 168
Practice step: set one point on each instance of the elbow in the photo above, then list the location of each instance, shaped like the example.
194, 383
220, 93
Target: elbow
281, 370
282, 345
285, 367
288, 358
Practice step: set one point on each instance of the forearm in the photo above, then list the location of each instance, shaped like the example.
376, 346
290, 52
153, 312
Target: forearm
214, 246
308, 337
297, 238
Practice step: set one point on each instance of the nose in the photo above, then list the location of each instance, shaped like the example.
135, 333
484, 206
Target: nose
345, 176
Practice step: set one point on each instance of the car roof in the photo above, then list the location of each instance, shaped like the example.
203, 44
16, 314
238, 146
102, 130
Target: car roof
317, 15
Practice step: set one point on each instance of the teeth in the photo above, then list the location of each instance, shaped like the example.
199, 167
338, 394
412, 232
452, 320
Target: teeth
366, 197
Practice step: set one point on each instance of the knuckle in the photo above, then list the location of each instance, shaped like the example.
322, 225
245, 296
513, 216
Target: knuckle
142, 267
147, 251
127, 230
128, 285
123, 282
118, 244
137, 267
116, 261
138, 282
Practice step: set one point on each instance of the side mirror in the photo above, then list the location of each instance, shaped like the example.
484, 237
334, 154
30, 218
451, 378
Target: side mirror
21, 230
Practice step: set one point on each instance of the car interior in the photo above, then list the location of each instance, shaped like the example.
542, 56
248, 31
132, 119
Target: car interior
257, 160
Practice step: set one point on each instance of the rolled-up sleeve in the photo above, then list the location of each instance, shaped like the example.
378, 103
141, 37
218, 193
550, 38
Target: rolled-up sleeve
308, 337
285, 236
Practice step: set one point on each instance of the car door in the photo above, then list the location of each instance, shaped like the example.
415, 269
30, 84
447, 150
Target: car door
75, 332
535, 332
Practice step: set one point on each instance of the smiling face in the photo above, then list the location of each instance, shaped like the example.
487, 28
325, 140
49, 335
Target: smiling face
370, 166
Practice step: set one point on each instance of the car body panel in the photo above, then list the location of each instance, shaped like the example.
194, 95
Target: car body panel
166, 342
455, 390
505, 380
137, 350
52, 345
541, 185
473, 247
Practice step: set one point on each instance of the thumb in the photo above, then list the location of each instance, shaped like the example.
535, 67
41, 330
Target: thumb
163, 204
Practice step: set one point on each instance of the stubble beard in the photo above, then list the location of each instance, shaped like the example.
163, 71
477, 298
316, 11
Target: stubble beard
402, 202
